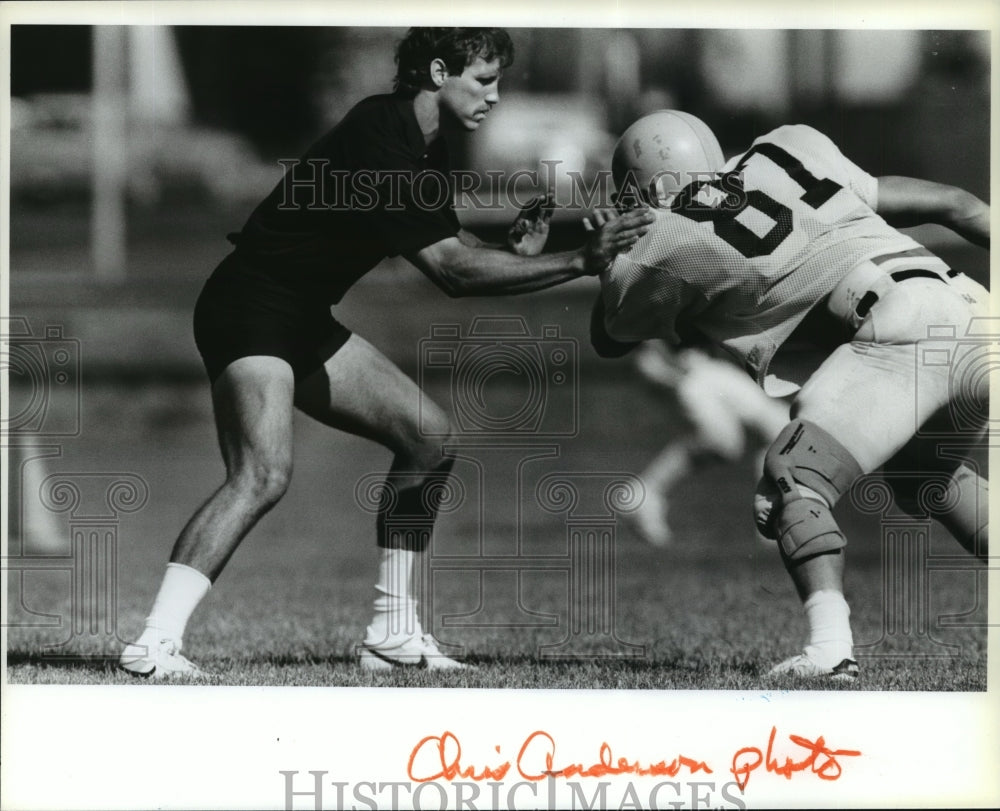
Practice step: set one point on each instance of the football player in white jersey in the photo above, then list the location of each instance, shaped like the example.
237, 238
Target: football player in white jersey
792, 237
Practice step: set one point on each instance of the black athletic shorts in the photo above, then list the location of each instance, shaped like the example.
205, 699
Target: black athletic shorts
242, 311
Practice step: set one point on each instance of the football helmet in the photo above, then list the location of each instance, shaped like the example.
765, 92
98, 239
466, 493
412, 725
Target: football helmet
661, 153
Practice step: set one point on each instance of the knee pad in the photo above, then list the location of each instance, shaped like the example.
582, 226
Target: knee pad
802, 527
804, 456
806, 527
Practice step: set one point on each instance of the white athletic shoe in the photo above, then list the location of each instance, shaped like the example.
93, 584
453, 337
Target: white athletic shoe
803, 666
161, 660
417, 650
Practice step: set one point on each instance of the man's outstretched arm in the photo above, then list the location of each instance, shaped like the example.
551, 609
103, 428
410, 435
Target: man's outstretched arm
461, 270
907, 201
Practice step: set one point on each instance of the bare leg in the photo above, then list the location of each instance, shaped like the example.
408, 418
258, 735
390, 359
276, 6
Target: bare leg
253, 413
813, 574
969, 521
930, 479
359, 390
29, 520
659, 478
712, 425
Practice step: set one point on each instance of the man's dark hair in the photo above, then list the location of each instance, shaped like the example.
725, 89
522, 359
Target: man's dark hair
456, 47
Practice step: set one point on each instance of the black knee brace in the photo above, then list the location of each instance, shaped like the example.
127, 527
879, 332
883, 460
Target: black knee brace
406, 514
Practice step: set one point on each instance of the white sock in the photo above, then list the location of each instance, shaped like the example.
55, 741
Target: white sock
830, 639
395, 606
180, 592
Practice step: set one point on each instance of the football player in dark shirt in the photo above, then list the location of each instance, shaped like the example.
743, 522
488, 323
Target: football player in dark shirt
363, 192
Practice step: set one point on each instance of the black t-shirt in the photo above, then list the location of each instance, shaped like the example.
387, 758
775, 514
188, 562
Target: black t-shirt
368, 189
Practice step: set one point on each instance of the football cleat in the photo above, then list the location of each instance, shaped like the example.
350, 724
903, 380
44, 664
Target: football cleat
161, 660
804, 666
417, 650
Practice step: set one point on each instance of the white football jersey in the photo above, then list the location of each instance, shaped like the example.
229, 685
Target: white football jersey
745, 256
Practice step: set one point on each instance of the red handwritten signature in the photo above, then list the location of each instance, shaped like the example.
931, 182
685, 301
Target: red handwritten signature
821, 760
535, 761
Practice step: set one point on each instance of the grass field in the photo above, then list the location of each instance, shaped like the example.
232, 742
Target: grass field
713, 611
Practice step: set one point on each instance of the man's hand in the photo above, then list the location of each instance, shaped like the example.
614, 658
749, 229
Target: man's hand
528, 234
612, 234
